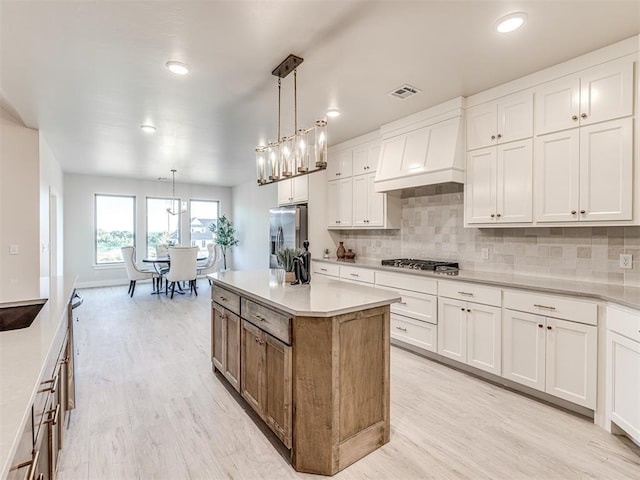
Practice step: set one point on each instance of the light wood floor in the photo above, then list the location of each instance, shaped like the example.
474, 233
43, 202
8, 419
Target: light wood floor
149, 407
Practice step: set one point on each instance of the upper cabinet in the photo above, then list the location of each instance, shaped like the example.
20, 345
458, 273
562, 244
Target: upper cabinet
293, 190
365, 158
502, 121
595, 95
340, 165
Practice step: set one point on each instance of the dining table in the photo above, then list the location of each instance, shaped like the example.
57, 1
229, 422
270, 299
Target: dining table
158, 262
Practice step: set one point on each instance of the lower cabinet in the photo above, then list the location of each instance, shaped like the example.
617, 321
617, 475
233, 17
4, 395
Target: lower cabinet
266, 379
470, 333
555, 356
414, 332
225, 344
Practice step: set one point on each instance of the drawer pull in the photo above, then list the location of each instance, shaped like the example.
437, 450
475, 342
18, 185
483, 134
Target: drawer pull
53, 420
262, 319
354, 274
53, 387
544, 306
402, 329
323, 269
466, 294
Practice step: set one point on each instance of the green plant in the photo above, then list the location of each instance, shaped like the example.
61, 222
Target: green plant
285, 257
223, 235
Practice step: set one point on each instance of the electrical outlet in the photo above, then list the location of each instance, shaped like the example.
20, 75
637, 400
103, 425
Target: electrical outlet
485, 254
626, 261
14, 249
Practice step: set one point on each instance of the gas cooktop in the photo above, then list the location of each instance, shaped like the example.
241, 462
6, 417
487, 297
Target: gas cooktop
448, 268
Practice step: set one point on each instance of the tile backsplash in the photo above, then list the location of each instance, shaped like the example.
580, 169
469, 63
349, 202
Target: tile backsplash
432, 228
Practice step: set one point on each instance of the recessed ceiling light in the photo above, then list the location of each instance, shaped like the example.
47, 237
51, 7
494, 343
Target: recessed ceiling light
148, 128
510, 22
178, 68
333, 113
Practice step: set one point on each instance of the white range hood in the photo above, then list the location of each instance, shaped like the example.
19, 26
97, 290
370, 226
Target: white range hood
425, 148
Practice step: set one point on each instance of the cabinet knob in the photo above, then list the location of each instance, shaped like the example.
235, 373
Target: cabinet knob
584, 115
462, 309
257, 341
549, 327
498, 215
540, 325
493, 215
493, 137
468, 310
337, 174
583, 211
573, 212
499, 135
574, 117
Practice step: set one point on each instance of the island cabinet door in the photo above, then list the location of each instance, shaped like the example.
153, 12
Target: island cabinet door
277, 384
218, 325
232, 349
252, 366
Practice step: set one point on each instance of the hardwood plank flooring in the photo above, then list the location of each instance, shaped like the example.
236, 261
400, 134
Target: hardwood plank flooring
149, 407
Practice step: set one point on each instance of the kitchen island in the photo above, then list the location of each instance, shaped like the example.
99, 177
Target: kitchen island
311, 360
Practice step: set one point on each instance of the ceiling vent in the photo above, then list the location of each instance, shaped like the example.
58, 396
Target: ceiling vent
404, 91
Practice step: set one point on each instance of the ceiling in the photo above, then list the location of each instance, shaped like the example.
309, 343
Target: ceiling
88, 74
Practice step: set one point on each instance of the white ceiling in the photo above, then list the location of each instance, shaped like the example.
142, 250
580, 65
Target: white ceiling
88, 74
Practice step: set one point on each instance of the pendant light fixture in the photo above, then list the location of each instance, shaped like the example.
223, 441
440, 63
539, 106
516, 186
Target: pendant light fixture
176, 207
302, 152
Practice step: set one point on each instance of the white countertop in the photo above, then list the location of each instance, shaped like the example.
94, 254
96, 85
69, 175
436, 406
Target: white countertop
23, 354
626, 296
323, 297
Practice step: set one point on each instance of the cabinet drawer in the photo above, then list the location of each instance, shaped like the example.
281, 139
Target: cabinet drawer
470, 292
326, 269
418, 306
626, 322
552, 306
414, 283
414, 332
227, 299
357, 274
271, 321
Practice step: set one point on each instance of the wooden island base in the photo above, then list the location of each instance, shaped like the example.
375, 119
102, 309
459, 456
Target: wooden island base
320, 383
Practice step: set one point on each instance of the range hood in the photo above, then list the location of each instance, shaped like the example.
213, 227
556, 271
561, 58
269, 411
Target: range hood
426, 148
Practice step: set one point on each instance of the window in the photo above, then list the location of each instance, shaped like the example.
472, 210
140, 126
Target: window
162, 227
202, 214
115, 226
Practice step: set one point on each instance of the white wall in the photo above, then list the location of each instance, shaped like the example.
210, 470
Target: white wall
251, 205
19, 210
79, 191
51, 184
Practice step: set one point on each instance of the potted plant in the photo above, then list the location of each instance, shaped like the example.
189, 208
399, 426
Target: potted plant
285, 258
224, 236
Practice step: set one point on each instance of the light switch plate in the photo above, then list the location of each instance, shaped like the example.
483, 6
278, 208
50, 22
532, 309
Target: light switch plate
14, 249
626, 260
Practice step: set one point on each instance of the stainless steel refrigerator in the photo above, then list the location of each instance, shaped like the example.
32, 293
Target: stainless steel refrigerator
288, 228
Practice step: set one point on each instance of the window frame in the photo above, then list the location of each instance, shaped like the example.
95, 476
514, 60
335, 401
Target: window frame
95, 225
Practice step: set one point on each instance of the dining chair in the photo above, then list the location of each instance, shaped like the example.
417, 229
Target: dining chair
182, 268
133, 272
210, 264
162, 250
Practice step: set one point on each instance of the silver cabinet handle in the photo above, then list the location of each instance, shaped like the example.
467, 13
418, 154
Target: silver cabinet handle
574, 117
262, 319
584, 115
544, 306
53, 420
466, 294
401, 329
323, 269
354, 274
53, 387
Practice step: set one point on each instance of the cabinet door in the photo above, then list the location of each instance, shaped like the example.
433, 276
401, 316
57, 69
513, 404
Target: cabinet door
484, 337
300, 189
572, 361
481, 186
375, 203
606, 92
277, 400
557, 105
345, 202
482, 124
452, 329
218, 325
414, 332
333, 203
557, 170
606, 171
623, 383
360, 159
373, 155
285, 192
252, 366
514, 185
341, 165
523, 349
360, 201
515, 117
232, 350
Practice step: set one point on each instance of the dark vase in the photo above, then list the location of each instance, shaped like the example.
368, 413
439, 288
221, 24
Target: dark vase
350, 255
341, 251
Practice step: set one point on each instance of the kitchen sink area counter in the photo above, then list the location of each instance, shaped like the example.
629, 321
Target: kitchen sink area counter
311, 360
24, 354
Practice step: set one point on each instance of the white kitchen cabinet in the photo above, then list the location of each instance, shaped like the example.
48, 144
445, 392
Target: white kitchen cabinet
368, 205
365, 158
470, 333
293, 190
585, 174
623, 370
340, 202
423, 335
505, 120
595, 95
553, 355
340, 164
499, 185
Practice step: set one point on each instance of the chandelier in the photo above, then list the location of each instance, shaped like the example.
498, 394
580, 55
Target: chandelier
175, 207
303, 152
